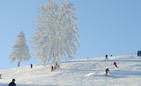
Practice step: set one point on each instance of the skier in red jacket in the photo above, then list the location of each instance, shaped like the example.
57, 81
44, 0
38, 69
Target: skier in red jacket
52, 68
115, 64
107, 71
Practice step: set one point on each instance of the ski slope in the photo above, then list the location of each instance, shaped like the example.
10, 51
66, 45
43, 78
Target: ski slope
80, 72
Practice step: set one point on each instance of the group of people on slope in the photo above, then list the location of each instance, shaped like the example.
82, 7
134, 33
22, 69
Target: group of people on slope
106, 56
55, 66
107, 69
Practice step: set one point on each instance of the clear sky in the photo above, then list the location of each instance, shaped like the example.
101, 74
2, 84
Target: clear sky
106, 27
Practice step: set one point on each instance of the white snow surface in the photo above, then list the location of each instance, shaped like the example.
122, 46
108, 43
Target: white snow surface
80, 72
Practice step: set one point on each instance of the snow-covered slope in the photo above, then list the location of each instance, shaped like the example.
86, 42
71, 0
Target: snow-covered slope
82, 72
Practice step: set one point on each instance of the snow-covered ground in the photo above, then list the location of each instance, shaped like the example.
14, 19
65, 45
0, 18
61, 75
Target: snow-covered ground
80, 72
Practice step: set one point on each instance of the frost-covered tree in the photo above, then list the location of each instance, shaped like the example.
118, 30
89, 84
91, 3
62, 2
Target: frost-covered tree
46, 28
57, 32
20, 50
67, 36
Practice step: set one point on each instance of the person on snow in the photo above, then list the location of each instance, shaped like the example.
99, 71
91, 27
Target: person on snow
56, 65
31, 66
106, 56
115, 64
107, 71
12, 83
0, 76
52, 68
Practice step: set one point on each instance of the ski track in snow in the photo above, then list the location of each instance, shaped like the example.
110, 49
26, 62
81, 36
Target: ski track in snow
80, 72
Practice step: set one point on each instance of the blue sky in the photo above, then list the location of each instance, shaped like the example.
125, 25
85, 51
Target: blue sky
106, 26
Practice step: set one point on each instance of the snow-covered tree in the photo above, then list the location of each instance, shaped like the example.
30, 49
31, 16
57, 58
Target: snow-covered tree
46, 28
67, 37
20, 50
57, 32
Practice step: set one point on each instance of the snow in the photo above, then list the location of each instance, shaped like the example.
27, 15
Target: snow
80, 72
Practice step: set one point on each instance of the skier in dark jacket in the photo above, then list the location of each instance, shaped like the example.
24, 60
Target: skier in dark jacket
106, 56
12, 83
31, 66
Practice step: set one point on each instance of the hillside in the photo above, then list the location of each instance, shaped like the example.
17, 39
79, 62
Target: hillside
82, 72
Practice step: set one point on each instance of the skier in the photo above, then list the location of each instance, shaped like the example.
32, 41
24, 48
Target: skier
0, 76
106, 56
52, 68
12, 83
56, 65
31, 66
107, 71
115, 64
